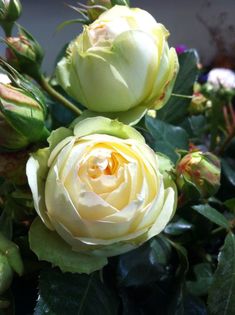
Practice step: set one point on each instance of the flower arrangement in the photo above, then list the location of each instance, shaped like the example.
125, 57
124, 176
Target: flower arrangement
116, 172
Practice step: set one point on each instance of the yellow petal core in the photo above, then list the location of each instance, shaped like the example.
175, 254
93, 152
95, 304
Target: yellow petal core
99, 165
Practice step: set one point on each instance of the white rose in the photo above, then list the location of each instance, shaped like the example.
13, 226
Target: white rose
100, 188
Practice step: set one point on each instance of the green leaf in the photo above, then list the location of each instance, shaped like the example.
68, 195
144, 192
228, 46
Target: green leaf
212, 215
12, 253
70, 22
120, 2
42, 308
230, 204
6, 273
175, 305
229, 170
176, 108
66, 293
221, 294
166, 138
178, 227
193, 306
60, 253
60, 115
6, 227
146, 264
194, 126
203, 275
227, 178
183, 259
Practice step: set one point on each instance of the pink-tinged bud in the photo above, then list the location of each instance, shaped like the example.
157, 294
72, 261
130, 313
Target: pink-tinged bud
97, 7
198, 172
24, 53
23, 46
198, 104
22, 114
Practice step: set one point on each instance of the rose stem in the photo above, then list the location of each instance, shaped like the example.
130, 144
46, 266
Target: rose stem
57, 96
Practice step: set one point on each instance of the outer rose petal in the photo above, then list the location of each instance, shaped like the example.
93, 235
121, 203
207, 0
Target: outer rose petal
36, 171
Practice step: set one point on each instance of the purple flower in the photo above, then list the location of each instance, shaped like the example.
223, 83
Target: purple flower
181, 48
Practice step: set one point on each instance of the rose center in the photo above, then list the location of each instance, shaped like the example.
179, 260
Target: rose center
105, 165
99, 33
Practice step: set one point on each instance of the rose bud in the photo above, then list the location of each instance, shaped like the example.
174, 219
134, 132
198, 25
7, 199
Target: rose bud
99, 191
198, 104
24, 53
198, 172
10, 11
22, 116
97, 7
121, 63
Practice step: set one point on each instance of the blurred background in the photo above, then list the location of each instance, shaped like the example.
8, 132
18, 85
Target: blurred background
207, 25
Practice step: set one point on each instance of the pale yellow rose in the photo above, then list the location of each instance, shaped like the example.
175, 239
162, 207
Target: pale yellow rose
120, 63
100, 188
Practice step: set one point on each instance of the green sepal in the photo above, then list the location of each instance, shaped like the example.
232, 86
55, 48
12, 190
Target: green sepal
59, 253
32, 128
6, 274
57, 136
103, 125
11, 251
130, 117
120, 2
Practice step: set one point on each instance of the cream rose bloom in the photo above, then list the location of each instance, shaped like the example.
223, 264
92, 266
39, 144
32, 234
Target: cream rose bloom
99, 187
120, 65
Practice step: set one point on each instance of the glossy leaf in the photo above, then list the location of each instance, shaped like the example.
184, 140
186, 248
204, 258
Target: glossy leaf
177, 107
230, 204
148, 263
166, 138
203, 274
66, 293
194, 126
228, 170
194, 306
178, 227
221, 295
60, 253
6, 224
213, 215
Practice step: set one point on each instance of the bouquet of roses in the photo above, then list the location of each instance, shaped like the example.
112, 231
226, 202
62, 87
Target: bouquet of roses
116, 172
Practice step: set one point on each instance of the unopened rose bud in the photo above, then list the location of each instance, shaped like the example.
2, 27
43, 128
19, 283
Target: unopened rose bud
22, 117
97, 7
24, 53
22, 45
198, 104
121, 64
10, 11
198, 171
